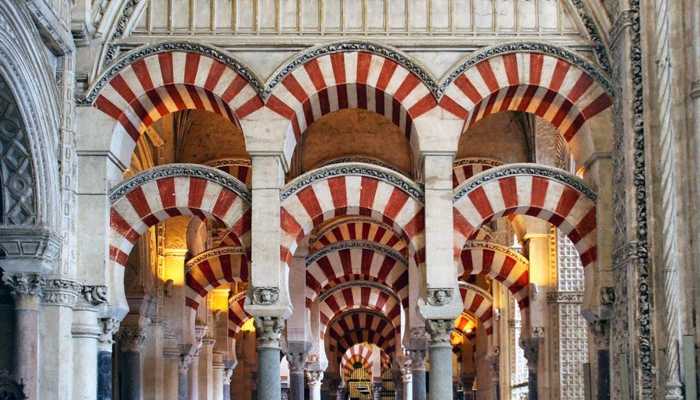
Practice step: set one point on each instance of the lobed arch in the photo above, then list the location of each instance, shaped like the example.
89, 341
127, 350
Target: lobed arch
545, 80
350, 74
358, 228
351, 189
211, 269
499, 262
360, 326
351, 261
155, 80
478, 303
159, 193
550, 194
237, 315
362, 296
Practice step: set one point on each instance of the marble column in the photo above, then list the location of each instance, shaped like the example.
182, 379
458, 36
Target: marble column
86, 331
440, 358
109, 328
531, 348
418, 380
193, 377
171, 374
183, 377
407, 382
218, 368
315, 379
206, 369
269, 331
296, 361
398, 384
228, 374
26, 290
131, 340
56, 344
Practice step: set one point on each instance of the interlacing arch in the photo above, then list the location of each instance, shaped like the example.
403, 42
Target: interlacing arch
501, 263
237, 315
356, 260
547, 81
550, 194
362, 296
171, 190
351, 189
350, 75
153, 81
358, 229
478, 303
360, 326
212, 268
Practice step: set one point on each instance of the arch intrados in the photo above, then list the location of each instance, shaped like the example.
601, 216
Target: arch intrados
551, 194
237, 314
385, 332
478, 303
363, 296
351, 189
357, 228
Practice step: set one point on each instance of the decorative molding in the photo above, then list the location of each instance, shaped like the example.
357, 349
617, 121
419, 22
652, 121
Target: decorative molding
356, 244
95, 295
352, 46
178, 170
557, 297
492, 162
213, 253
269, 331
524, 169
363, 160
164, 47
265, 296
480, 244
26, 248
120, 28
439, 297
526, 47
354, 169
600, 50
24, 284
61, 292
227, 162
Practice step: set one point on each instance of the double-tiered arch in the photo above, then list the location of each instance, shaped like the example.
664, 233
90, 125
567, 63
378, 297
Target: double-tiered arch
214, 268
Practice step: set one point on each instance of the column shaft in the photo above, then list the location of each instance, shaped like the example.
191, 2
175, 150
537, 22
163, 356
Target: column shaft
296, 385
171, 375
130, 375
440, 359
193, 379
269, 385
85, 331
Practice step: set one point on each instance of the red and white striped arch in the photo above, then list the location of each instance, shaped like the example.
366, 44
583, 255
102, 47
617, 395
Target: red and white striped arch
353, 327
465, 325
500, 263
549, 87
478, 303
358, 229
156, 83
239, 168
551, 194
237, 315
351, 189
356, 261
349, 79
211, 269
358, 297
360, 353
171, 190
465, 168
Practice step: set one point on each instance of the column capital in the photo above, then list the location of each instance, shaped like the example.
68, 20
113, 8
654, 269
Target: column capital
61, 292
132, 338
314, 377
418, 357
109, 327
297, 361
269, 330
439, 330
24, 285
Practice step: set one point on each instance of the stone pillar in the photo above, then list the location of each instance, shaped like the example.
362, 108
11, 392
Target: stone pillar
56, 345
228, 374
86, 331
193, 378
418, 380
26, 290
407, 383
315, 379
218, 368
296, 362
269, 331
171, 375
183, 376
109, 327
206, 369
531, 347
440, 358
131, 340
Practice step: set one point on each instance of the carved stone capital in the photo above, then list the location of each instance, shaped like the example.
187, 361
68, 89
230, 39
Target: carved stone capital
439, 330
25, 288
269, 330
296, 361
531, 349
418, 358
600, 333
109, 327
439, 296
131, 338
95, 295
60, 292
265, 296
314, 378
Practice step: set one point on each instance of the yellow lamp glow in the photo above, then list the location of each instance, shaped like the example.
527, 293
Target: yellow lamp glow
248, 326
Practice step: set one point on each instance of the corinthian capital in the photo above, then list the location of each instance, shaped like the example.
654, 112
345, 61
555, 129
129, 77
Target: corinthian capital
132, 338
269, 330
22, 284
439, 330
